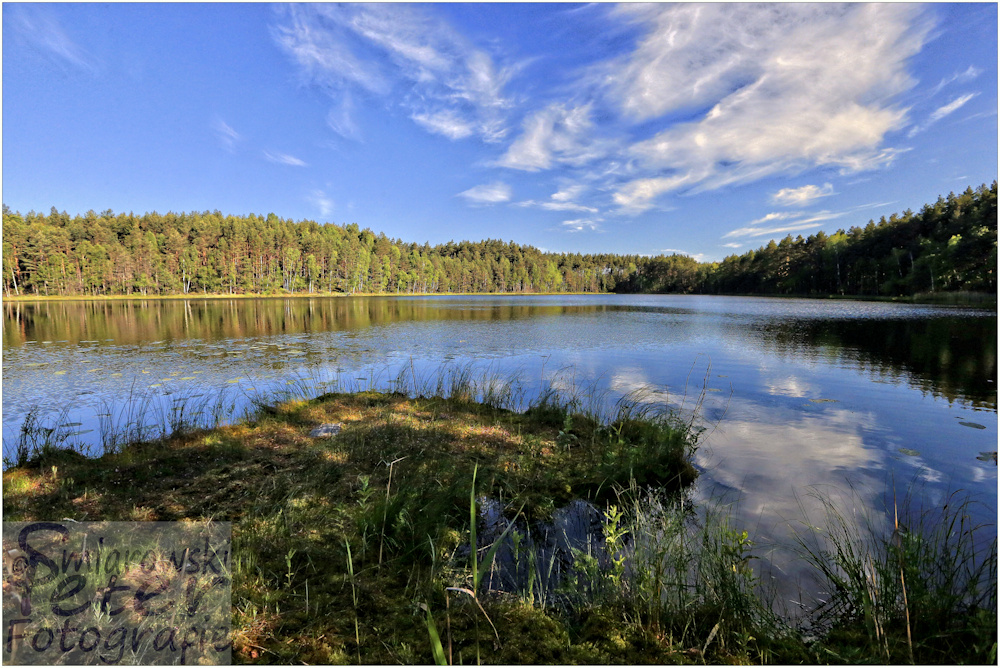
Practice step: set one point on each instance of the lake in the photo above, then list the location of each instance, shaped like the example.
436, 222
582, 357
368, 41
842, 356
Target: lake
863, 401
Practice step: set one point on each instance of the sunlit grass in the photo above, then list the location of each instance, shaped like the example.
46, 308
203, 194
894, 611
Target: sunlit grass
348, 548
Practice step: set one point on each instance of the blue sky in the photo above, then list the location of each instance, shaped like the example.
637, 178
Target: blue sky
705, 129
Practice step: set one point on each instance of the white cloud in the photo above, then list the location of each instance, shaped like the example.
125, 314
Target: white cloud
557, 206
340, 118
447, 123
487, 193
784, 215
555, 135
951, 107
43, 32
562, 200
732, 245
801, 225
637, 196
941, 112
569, 193
319, 199
787, 87
284, 159
801, 196
445, 84
227, 136
581, 224
968, 75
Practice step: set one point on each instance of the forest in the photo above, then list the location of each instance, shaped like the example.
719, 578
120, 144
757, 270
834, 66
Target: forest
950, 245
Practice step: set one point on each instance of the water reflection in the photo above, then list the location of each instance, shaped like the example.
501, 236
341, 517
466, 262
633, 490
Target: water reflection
796, 395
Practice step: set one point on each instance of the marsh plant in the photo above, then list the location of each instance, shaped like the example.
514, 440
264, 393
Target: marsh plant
453, 520
922, 589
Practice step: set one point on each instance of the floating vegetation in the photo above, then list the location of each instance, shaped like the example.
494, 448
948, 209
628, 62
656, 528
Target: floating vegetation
93, 370
187, 378
157, 385
37, 364
974, 425
233, 380
823, 401
116, 375
909, 452
60, 373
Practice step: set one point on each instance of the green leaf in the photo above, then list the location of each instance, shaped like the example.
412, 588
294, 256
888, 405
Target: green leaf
473, 516
436, 646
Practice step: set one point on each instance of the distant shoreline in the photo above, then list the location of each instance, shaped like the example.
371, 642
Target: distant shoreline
958, 298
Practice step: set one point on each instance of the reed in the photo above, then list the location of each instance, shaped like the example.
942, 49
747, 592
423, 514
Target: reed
921, 588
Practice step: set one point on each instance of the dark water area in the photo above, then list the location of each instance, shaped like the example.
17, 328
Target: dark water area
861, 400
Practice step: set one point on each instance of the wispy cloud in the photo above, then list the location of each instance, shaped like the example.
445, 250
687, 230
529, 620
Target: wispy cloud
227, 136
961, 77
800, 225
444, 84
581, 224
941, 112
638, 195
562, 200
783, 215
787, 87
284, 159
487, 193
801, 196
951, 107
319, 199
556, 135
41, 31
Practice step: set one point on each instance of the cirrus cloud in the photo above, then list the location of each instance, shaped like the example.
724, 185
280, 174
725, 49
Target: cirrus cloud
801, 196
783, 88
445, 84
487, 193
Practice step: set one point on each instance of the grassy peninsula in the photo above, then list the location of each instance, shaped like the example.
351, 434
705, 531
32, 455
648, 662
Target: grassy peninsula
356, 547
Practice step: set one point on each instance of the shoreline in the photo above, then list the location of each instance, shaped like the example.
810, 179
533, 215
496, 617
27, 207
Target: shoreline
352, 547
974, 299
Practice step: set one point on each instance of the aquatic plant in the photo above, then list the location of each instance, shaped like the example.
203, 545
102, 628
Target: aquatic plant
923, 589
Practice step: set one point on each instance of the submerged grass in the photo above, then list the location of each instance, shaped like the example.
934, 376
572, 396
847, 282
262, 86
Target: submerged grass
372, 546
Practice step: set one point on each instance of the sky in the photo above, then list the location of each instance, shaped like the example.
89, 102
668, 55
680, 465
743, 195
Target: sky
701, 129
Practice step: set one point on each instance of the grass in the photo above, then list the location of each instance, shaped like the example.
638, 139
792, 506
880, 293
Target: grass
923, 592
372, 546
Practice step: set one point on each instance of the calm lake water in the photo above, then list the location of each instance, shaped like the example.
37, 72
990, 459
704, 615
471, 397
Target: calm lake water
799, 396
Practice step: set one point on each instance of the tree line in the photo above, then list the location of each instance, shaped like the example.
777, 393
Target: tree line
948, 245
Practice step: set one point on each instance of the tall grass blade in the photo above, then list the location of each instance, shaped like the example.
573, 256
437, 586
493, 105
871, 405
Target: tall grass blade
436, 647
